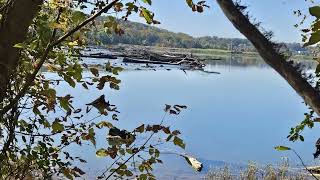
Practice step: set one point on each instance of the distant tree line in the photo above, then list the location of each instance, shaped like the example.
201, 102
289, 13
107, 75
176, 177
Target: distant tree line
141, 34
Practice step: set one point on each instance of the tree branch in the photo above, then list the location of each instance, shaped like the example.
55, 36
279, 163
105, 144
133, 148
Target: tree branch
270, 55
135, 153
304, 165
49, 47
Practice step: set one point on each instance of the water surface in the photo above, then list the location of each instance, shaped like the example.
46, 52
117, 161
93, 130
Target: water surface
236, 116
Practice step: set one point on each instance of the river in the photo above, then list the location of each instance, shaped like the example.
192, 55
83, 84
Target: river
233, 117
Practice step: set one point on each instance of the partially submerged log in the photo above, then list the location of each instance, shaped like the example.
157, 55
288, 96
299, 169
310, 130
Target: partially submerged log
143, 55
182, 62
132, 60
99, 55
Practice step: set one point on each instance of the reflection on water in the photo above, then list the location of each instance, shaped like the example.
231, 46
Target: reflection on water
226, 61
240, 61
234, 117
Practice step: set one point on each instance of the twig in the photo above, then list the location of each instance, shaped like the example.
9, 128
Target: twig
304, 165
139, 150
84, 23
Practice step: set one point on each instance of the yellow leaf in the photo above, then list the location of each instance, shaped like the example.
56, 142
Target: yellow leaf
73, 43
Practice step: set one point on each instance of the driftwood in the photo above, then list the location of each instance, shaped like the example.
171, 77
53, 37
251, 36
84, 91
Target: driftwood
144, 55
132, 60
184, 62
134, 54
99, 55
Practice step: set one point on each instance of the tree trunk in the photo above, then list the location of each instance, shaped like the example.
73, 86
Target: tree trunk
270, 55
17, 17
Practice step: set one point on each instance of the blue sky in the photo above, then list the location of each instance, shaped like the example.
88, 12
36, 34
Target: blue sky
275, 15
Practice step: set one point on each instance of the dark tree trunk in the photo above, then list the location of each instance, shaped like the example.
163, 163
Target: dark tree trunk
270, 55
17, 17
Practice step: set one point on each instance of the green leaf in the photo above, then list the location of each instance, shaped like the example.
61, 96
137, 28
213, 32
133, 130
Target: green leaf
190, 3
301, 138
73, 43
102, 153
109, 24
315, 11
57, 127
69, 80
20, 46
104, 124
77, 74
78, 16
116, 70
282, 148
169, 137
36, 111
108, 67
50, 93
147, 1
100, 104
78, 170
147, 15
141, 168
46, 124
128, 173
92, 136
64, 103
57, 26
94, 71
316, 26
67, 173
85, 85
151, 151
156, 153
143, 176
140, 129
179, 142
315, 38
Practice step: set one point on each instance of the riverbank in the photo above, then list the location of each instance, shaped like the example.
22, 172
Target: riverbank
213, 54
201, 54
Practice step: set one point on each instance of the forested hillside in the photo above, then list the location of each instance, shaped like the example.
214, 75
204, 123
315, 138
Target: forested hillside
141, 34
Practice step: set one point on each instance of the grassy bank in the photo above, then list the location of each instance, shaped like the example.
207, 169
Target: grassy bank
254, 172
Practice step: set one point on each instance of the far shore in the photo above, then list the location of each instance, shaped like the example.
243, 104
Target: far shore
207, 53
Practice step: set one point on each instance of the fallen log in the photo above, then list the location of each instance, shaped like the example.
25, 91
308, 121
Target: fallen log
99, 56
132, 60
166, 58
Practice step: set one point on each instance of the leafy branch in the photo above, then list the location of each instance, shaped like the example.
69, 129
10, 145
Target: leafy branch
49, 47
136, 152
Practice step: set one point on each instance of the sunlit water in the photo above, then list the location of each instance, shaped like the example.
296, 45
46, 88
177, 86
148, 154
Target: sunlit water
236, 116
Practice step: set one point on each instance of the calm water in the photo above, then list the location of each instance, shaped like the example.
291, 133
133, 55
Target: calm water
236, 116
